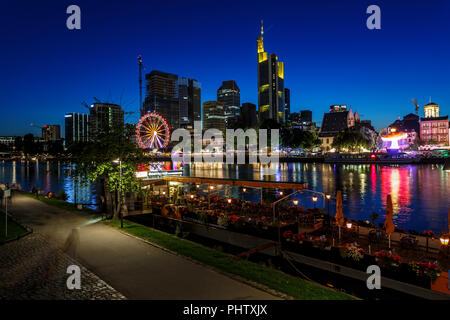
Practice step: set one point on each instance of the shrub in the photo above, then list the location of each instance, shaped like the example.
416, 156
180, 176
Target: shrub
61, 195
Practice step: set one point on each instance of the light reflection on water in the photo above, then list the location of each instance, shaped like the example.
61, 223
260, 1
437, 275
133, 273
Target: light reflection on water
49, 177
420, 193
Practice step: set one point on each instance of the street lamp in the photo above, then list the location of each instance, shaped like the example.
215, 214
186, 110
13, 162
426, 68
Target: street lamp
349, 225
281, 193
314, 199
244, 190
121, 191
229, 200
192, 196
295, 202
444, 239
328, 196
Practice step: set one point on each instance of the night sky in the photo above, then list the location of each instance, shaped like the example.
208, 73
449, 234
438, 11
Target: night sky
330, 56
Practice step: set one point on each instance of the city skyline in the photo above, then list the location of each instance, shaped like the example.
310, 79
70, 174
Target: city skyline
376, 72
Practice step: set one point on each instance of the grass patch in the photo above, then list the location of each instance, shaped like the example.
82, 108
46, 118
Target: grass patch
57, 203
274, 279
14, 229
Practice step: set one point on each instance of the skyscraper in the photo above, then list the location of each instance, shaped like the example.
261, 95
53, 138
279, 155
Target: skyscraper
51, 132
162, 96
249, 115
270, 84
230, 95
214, 116
287, 104
189, 97
104, 116
76, 127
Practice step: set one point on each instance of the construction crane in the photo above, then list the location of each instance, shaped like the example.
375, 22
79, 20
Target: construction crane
141, 108
36, 126
417, 106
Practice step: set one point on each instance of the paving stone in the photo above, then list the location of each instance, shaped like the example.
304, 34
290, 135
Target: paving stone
32, 268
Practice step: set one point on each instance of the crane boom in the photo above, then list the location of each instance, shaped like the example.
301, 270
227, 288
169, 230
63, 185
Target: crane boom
417, 106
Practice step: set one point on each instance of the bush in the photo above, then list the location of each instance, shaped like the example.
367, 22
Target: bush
61, 195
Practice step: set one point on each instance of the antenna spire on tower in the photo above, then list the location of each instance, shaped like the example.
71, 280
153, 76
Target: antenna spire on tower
262, 28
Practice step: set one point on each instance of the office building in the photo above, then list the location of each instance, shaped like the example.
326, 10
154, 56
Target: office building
189, 97
162, 97
76, 128
271, 104
306, 116
103, 117
214, 116
287, 104
51, 132
249, 116
230, 96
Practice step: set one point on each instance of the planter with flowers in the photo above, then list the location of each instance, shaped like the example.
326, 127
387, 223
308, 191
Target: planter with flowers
388, 261
426, 269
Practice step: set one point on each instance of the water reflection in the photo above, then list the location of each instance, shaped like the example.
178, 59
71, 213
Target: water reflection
420, 193
48, 177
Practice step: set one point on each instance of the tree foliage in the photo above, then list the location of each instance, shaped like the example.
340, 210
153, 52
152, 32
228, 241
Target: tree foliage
297, 138
352, 139
112, 156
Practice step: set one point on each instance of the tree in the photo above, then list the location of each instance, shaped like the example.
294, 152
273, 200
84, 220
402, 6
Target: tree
112, 157
297, 138
352, 139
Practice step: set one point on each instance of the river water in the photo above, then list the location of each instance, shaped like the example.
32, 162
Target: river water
420, 193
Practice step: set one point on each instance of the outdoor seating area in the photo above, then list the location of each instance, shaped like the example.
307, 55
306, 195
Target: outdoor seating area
413, 258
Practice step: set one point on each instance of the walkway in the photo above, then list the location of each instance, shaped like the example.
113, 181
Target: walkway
131, 266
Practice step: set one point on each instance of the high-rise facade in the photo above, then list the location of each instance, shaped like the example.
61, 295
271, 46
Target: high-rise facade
229, 95
51, 132
287, 104
214, 116
76, 128
189, 97
104, 116
249, 115
306, 115
162, 96
271, 103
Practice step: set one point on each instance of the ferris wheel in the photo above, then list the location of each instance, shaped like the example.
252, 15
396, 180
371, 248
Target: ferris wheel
153, 132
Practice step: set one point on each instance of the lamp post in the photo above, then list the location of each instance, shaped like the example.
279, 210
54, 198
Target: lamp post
328, 196
314, 199
273, 218
120, 191
445, 239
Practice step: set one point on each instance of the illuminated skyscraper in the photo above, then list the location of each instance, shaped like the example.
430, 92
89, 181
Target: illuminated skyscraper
76, 127
287, 104
230, 95
189, 92
214, 116
270, 84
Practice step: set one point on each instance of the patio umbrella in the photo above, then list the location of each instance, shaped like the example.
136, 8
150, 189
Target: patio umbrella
340, 220
389, 224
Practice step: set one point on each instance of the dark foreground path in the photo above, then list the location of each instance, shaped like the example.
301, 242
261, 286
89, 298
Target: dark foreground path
134, 268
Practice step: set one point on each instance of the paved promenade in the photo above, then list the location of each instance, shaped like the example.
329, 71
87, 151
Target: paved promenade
132, 267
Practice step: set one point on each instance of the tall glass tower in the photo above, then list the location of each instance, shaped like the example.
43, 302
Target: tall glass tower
270, 84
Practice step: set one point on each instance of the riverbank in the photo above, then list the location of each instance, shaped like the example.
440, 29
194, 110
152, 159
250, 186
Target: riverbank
249, 271
131, 266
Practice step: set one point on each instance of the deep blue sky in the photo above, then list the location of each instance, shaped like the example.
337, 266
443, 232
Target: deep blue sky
330, 56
